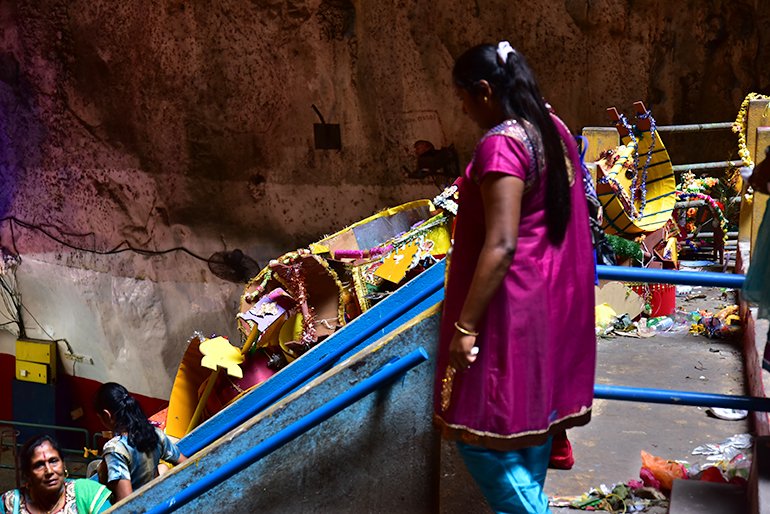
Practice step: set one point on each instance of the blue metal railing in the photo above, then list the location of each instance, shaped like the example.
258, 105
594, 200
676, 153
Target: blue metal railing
382, 377
695, 399
665, 276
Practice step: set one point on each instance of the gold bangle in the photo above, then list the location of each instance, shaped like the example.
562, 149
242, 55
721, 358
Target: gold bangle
465, 331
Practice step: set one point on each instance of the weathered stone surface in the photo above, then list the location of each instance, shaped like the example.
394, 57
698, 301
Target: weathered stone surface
177, 123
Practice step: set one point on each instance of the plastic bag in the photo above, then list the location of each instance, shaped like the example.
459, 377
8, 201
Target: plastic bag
664, 471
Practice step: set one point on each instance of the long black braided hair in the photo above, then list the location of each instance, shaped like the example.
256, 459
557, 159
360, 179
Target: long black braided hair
513, 84
127, 416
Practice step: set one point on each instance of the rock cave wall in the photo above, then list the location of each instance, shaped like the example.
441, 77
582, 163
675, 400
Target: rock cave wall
183, 124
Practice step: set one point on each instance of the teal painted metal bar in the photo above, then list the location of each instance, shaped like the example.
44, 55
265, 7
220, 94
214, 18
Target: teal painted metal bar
660, 276
83, 431
696, 127
379, 379
707, 165
670, 397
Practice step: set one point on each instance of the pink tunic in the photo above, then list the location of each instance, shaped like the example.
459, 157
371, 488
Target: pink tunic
534, 374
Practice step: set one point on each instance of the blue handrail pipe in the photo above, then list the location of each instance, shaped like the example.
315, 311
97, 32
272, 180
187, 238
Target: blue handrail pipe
671, 397
397, 311
668, 276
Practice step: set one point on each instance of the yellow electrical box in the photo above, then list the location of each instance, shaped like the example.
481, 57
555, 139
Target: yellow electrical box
33, 372
30, 350
36, 360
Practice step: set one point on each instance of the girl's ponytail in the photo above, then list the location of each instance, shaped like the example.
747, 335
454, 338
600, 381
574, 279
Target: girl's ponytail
127, 416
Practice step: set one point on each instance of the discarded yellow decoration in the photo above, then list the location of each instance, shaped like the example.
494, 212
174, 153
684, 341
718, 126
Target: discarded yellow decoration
184, 394
625, 212
317, 249
219, 353
396, 264
605, 315
291, 331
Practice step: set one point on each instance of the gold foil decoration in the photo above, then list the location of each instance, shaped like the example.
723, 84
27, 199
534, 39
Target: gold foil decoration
446, 388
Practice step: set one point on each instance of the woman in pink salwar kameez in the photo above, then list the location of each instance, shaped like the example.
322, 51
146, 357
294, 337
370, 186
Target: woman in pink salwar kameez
517, 349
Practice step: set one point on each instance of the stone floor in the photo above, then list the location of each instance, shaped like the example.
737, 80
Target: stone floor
607, 451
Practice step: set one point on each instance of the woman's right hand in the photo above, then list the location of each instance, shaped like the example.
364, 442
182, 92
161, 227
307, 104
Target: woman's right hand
461, 351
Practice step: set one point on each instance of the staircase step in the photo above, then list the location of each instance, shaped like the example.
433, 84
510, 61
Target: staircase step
698, 497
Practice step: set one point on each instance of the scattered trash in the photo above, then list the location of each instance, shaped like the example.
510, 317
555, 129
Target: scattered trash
683, 290
727, 449
689, 316
664, 325
728, 414
728, 461
660, 324
623, 323
608, 323
605, 316
660, 473
631, 497
724, 324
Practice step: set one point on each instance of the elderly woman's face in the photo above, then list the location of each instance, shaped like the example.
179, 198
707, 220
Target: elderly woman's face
46, 469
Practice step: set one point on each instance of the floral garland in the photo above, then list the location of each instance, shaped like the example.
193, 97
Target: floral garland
739, 127
691, 184
686, 195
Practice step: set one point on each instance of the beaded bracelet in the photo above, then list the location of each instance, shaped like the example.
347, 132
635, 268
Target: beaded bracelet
465, 331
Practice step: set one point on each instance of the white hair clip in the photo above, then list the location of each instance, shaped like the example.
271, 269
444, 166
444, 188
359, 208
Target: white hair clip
504, 49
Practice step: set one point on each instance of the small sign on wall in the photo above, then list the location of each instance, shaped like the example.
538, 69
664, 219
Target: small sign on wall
326, 136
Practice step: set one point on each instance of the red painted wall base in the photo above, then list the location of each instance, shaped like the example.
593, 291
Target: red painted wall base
79, 392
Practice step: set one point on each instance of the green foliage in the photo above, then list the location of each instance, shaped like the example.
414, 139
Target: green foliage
625, 249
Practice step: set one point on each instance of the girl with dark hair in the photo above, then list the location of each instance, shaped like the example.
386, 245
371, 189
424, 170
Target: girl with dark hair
46, 486
132, 456
517, 348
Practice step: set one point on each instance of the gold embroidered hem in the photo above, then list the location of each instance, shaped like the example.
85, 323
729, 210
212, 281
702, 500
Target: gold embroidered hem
517, 441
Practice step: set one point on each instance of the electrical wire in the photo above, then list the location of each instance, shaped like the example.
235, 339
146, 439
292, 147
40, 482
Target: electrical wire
12, 303
50, 337
123, 246
10, 296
